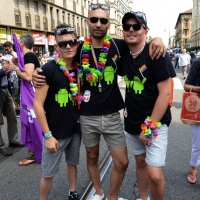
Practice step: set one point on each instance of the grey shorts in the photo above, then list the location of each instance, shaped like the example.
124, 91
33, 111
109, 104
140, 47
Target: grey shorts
110, 126
156, 152
51, 160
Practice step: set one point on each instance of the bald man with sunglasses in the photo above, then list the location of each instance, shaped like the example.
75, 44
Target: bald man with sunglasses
99, 56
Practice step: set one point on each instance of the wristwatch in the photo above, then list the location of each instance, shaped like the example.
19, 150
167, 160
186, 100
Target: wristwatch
16, 68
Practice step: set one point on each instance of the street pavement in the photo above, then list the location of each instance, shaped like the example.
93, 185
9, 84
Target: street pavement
22, 183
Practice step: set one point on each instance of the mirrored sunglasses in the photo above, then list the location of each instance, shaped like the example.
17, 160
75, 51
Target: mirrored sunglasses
96, 19
63, 30
63, 44
136, 27
99, 5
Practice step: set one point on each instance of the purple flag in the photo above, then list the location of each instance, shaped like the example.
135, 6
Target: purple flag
31, 132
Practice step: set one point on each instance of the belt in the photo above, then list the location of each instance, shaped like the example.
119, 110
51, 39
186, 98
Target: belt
4, 87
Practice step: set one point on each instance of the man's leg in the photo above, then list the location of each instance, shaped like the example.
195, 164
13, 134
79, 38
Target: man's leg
93, 167
156, 182
142, 176
120, 160
72, 176
45, 186
9, 112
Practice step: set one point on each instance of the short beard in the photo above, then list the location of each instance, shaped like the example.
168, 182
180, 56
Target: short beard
101, 36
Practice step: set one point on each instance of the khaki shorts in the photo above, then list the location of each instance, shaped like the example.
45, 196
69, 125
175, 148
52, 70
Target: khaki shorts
110, 126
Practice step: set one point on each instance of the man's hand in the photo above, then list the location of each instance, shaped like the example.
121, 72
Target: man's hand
12, 66
38, 80
157, 48
51, 144
145, 140
14, 60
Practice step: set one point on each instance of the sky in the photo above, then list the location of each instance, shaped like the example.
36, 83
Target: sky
162, 15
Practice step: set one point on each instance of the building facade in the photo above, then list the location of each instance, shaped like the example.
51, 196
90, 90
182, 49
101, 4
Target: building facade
40, 17
195, 35
183, 29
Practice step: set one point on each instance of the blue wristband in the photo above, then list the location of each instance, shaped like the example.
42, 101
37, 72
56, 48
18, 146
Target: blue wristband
48, 135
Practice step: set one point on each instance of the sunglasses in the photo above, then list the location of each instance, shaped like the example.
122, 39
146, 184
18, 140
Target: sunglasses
71, 43
96, 19
63, 30
136, 27
99, 5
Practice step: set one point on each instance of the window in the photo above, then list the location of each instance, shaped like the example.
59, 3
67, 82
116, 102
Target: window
16, 3
57, 13
51, 12
69, 21
26, 5
73, 21
63, 16
44, 9
36, 6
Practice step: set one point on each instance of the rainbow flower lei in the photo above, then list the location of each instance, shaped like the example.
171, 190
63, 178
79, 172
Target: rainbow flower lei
150, 128
91, 74
73, 85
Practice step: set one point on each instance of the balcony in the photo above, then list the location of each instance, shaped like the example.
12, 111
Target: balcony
28, 19
45, 23
52, 24
185, 27
17, 14
37, 21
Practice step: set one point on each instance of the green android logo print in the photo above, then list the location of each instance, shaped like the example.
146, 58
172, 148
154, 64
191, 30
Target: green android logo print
62, 97
109, 73
138, 85
129, 84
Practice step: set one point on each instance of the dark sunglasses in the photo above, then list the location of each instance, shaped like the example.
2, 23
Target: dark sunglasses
63, 30
96, 19
99, 5
71, 43
136, 27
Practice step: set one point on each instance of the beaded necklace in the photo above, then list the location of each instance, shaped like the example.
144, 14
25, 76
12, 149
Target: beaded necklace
94, 75
71, 76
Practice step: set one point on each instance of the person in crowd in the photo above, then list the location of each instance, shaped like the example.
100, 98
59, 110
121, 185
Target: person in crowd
177, 55
7, 109
184, 62
30, 129
192, 84
147, 113
198, 53
43, 60
99, 57
60, 127
13, 83
193, 56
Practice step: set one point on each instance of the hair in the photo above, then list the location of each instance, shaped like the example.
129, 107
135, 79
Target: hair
63, 25
28, 40
7, 44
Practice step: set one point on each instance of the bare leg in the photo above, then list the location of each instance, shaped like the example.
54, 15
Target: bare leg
93, 167
157, 182
142, 176
120, 160
72, 176
45, 186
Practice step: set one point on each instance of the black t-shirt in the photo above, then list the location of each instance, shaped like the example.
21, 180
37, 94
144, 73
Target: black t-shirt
109, 100
193, 77
142, 75
30, 57
61, 113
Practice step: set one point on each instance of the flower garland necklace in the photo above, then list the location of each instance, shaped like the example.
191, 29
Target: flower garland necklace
73, 85
94, 75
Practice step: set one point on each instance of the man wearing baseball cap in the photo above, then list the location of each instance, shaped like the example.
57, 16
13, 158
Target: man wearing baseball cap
147, 113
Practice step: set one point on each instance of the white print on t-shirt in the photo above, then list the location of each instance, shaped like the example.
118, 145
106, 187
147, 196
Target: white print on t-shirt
87, 95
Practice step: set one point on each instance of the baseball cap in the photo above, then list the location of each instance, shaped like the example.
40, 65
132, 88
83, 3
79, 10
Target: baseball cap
139, 16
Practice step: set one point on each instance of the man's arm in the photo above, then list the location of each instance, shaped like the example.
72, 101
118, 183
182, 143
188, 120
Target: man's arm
160, 106
157, 48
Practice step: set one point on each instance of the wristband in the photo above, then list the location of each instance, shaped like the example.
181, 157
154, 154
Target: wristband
16, 68
150, 128
48, 135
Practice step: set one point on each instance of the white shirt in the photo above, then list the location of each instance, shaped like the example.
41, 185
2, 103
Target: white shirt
4, 79
184, 59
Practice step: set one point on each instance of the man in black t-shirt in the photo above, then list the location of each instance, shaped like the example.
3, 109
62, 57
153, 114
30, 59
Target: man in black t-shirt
147, 114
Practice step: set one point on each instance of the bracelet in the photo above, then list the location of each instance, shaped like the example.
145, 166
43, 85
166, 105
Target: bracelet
16, 69
150, 128
48, 135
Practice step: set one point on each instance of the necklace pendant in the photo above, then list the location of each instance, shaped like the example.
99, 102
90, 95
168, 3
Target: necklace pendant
100, 87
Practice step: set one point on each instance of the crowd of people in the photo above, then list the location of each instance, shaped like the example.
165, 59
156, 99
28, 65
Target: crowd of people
76, 97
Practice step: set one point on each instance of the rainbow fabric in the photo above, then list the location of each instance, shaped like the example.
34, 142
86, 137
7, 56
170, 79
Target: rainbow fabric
143, 68
115, 57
